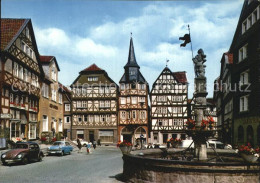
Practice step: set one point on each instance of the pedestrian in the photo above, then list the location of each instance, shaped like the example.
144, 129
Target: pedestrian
79, 145
99, 142
88, 146
94, 144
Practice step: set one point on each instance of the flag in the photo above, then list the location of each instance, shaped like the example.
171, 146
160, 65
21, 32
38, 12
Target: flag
186, 39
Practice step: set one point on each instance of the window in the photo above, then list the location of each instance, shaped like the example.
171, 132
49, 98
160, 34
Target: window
90, 118
53, 73
44, 123
107, 103
243, 103
85, 118
103, 118
67, 107
96, 118
129, 115
45, 90
132, 72
251, 19
161, 98
32, 131
16, 69
123, 100
79, 103
133, 86
11, 98
142, 99
67, 119
102, 104
27, 33
92, 78
60, 98
122, 86
107, 90
162, 110
142, 115
134, 114
134, 100
53, 95
244, 78
20, 72
25, 75
79, 118
84, 104
123, 114
142, 86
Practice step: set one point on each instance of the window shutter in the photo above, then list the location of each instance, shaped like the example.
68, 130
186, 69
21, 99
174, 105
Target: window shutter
241, 105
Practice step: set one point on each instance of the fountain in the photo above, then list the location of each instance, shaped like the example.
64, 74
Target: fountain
198, 165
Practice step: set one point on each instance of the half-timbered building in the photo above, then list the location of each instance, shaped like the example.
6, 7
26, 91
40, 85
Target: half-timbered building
133, 102
94, 106
20, 73
51, 107
169, 96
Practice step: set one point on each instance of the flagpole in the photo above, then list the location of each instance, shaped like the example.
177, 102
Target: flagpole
190, 42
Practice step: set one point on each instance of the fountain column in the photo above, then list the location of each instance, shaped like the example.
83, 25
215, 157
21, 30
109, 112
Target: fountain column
200, 94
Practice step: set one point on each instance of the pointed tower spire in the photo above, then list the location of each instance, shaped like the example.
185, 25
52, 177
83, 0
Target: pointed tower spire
131, 56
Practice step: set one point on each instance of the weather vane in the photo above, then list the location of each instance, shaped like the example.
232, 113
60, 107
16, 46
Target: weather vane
167, 60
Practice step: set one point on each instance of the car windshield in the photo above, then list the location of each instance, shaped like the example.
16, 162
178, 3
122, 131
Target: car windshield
58, 143
220, 146
21, 146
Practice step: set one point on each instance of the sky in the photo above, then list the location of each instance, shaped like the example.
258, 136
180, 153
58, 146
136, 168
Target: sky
82, 32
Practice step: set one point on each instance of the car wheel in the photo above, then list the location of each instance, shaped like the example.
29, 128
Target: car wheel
25, 160
69, 153
4, 163
40, 157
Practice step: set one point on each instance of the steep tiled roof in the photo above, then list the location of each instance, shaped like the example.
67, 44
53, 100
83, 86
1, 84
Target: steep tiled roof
93, 67
64, 88
131, 56
9, 29
180, 76
46, 59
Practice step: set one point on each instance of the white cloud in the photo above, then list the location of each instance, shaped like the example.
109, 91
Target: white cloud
155, 31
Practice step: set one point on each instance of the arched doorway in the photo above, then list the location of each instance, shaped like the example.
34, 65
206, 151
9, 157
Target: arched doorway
258, 135
126, 134
250, 135
140, 135
240, 134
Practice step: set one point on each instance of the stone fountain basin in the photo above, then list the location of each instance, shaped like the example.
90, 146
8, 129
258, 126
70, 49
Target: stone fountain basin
149, 168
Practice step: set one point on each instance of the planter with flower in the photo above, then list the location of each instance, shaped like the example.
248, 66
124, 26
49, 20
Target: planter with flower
248, 153
125, 146
43, 140
175, 142
190, 124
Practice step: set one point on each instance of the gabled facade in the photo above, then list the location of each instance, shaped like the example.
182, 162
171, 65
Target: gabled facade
169, 106
94, 106
66, 111
244, 74
21, 74
133, 102
51, 101
223, 98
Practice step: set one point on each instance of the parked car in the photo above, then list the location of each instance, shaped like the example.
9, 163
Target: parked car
82, 141
23, 152
186, 143
60, 147
216, 144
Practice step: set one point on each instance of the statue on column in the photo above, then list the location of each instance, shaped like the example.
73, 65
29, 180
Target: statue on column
199, 66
